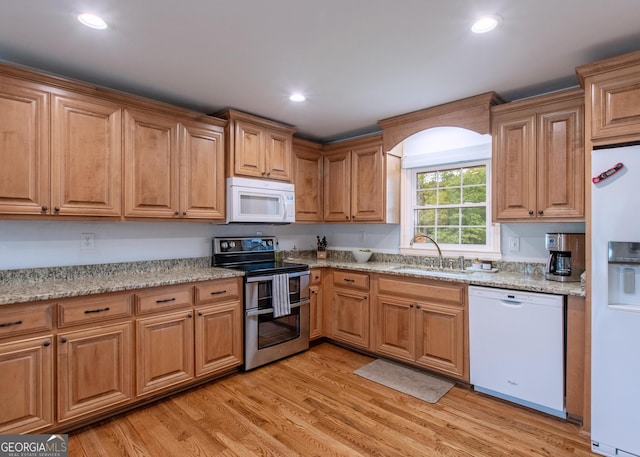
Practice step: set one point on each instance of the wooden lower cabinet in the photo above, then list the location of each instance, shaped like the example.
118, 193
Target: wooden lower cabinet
218, 338
423, 322
95, 368
26, 377
164, 351
349, 317
316, 308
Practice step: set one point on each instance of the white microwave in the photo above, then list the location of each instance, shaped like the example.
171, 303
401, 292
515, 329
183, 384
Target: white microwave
260, 201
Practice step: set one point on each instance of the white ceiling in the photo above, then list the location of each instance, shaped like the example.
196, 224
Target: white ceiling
358, 61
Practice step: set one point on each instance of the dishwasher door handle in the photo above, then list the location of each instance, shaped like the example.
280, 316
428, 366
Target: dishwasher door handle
512, 303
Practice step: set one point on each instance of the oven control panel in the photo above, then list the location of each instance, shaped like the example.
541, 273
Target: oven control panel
244, 244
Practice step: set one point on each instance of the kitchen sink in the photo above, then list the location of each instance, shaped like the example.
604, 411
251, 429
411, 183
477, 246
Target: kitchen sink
432, 272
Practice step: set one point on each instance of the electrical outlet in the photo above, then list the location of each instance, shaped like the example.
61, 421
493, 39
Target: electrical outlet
87, 241
361, 236
514, 243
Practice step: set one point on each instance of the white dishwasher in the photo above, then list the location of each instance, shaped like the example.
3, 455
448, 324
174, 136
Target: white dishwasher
516, 347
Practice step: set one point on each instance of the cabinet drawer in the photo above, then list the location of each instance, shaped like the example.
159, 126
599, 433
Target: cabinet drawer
163, 298
432, 290
315, 277
93, 309
355, 280
217, 291
19, 319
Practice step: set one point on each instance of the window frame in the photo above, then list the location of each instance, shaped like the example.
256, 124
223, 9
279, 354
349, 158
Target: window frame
490, 251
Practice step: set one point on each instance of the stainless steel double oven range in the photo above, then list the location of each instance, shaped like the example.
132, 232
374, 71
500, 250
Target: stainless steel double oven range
267, 337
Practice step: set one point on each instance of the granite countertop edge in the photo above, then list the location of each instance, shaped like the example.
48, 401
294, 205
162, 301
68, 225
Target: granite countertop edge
23, 291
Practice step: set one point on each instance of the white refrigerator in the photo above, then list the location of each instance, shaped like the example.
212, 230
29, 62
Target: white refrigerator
615, 303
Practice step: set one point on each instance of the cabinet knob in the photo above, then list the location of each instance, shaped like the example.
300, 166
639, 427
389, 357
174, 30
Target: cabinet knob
184, 213
63, 340
46, 343
57, 209
540, 212
189, 315
417, 306
44, 209
346, 217
199, 313
177, 213
530, 212
411, 305
263, 173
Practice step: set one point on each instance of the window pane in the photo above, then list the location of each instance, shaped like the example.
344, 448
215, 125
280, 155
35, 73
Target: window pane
426, 197
474, 235
450, 178
449, 235
427, 180
475, 194
474, 175
474, 216
449, 196
448, 216
426, 217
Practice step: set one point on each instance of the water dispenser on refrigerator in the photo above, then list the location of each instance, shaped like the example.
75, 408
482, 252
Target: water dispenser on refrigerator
624, 275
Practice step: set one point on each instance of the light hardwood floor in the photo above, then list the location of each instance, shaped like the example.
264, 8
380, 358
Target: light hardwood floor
312, 404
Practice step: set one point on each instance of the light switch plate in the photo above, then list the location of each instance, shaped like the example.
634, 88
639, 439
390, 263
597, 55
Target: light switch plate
87, 241
514, 243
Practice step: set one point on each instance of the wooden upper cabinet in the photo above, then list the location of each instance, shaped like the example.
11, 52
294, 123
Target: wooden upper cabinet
308, 180
202, 178
151, 165
612, 89
86, 156
538, 158
258, 148
361, 184
24, 148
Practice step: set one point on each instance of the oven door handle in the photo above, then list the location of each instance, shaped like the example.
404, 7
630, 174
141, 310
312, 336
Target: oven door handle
259, 312
270, 277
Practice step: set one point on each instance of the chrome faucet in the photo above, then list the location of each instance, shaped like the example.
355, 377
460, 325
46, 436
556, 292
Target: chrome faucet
440, 258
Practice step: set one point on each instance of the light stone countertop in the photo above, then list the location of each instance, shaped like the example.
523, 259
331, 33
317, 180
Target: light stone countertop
506, 280
21, 286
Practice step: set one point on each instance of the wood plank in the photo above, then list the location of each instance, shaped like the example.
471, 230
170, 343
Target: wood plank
313, 404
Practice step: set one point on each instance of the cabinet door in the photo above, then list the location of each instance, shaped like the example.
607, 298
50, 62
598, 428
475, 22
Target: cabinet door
561, 160
151, 165
27, 367
440, 338
24, 148
164, 351
202, 187
350, 320
395, 329
278, 156
367, 184
249, 155
307, 172
337, 187
94, 369
218, 337
514, 167
315, 311
86, 156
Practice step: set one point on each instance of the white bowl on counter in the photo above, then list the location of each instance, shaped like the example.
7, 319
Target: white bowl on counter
362, 256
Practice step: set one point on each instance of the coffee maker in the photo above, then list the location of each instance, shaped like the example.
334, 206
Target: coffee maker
566, 256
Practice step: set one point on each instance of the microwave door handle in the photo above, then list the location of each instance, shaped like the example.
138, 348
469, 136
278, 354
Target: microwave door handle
284, 207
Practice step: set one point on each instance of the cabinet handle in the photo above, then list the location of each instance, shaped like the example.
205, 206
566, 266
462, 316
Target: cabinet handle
177, 213
263, 173
189, 315
349, 280
417, 306
46, 343
199, 313
411, 305
268, 173
10, 324
314, 292
219, 292
184, 213
346, 217
63, 340
166, 300
540, 212
530, 212
44, 209
99, 310
57, 209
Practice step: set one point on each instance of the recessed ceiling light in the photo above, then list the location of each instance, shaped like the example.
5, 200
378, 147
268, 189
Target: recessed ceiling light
93, 21
486, 24
297, 97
